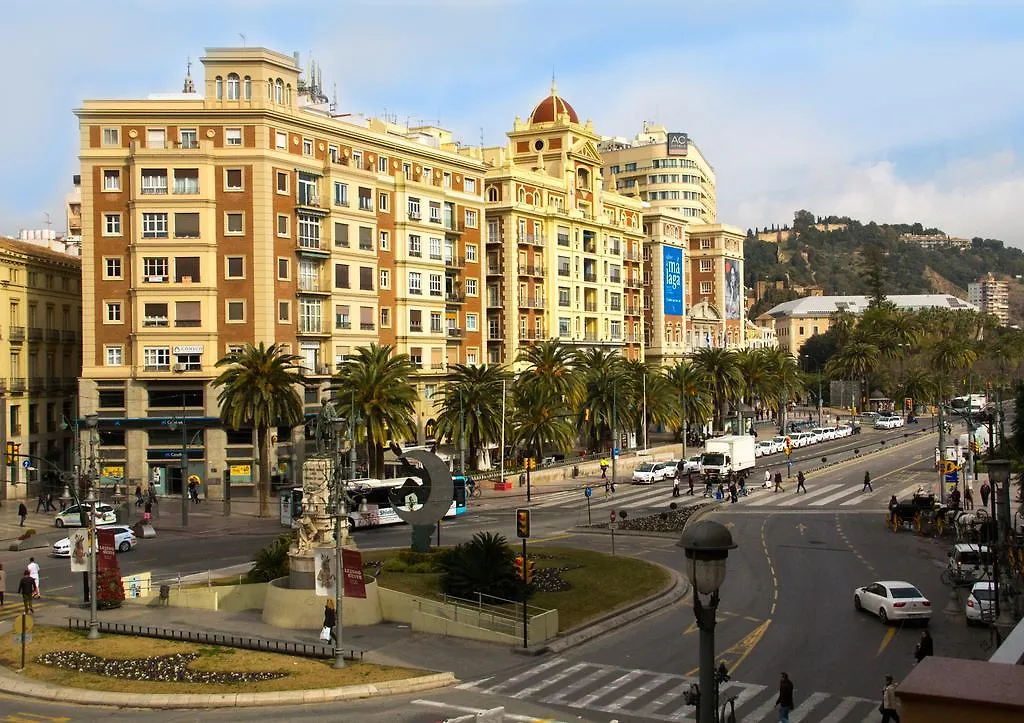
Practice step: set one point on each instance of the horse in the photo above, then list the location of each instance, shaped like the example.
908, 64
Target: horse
970, 521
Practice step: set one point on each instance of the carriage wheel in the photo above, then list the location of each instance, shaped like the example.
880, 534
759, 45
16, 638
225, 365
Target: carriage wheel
939, 525
918, 523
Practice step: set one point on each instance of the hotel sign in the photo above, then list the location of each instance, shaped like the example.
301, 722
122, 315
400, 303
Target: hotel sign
188, 349
678, 144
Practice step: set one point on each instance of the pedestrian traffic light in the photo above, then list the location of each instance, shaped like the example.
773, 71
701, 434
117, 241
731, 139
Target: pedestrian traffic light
519, 567
529, 571
522, 523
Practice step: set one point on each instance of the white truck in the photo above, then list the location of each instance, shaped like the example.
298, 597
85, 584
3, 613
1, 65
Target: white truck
731, 453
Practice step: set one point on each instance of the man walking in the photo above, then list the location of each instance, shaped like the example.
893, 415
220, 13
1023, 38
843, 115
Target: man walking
675, 485
3, 584
604, 468
689, 482
800, 482
985, 492
767, 478
867, 483
888, 707
27, 588
33, 570
22, 513
785, 700
778, 482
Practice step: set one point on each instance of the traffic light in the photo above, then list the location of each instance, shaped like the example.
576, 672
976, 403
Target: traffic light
586, 415
10, 454
519, 567
522, 523
529, 571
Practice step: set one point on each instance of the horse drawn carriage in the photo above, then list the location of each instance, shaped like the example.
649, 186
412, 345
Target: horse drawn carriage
921, 513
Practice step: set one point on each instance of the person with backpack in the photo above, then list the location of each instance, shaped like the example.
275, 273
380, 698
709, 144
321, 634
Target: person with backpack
800, 482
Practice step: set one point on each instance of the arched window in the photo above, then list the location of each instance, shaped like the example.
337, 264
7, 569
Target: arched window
270, 90
582, 178
288, 94
279, 91
247, 87
218, 84
492, 194
233, 86
522, 196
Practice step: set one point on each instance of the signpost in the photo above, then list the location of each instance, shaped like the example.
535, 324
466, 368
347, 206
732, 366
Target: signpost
612, 526
23, 634
523, 533
587, 493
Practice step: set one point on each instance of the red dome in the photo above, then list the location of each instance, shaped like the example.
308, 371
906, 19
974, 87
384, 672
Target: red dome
550, 108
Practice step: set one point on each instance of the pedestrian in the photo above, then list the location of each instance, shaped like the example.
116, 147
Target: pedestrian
147, 512
785, 700
41, 503
138, 496
767, 478
607, 487
925, 647
27, 588
888, 706
50, 507
985, 492
954, 499
867, 483
3, 583
22, 513
733, 492
330, 619
800, 482
689, 481
707, 486
33, 570
152, 495
778, 482
604, 468
968, 499
675, 486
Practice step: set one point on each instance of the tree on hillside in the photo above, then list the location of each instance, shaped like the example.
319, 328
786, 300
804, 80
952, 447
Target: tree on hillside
802, 220
875, 273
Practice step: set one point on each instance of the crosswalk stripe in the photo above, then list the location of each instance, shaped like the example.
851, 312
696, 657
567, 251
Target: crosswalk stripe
844, 707
580, 684
806, 706
796, 499
527, 674
651, 709
546, 682
638, 690
858, 500
605, 691
837, 496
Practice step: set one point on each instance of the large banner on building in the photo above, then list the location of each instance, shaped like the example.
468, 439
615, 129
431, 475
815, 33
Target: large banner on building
733, 289
672, 287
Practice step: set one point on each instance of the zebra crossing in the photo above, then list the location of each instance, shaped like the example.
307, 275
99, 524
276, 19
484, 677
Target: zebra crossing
642, 695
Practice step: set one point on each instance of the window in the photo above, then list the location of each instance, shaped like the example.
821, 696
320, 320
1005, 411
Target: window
435, 284
366, 314
407, 171
234, 267
435, 322
310, 316
113, 356
154, 181
471, 358
385, 279
281, 140
341, 234
307, 147
385, 241
279, 91
186, 269
333, 153
232, 136
186, 225
111, 224
308, 194
282, 225
247, 88
112, 267
382, 164
234, 222
435, 249
284, 312
154, 315
340, 194
186, 180
415, 282
156, 138
154, 269
705, 287
156, 358
235, 311
111, 136
111, 180
283, 270
154, 225
366, 278
470, 253
309, 231
382, 202
563, 296
187, 314
471, 287
415, 249
435, 212
414, 209
471, 322
365, 238
415, 320
471, 218
563, 326
342, 320
365, 199
357, 159
282, 182
705, 243
446, 180
705, 265
385, 317
341, 276
113, 312
427, 176
469, 185
233, 86
233, 179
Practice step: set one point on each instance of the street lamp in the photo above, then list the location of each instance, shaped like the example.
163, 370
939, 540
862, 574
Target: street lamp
999, 477
90, 500
707, 544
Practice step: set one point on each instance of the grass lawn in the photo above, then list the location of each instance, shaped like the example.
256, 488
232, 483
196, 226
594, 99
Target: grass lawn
302, 673
602, 583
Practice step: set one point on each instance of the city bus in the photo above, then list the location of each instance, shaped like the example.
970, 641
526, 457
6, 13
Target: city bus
378, 506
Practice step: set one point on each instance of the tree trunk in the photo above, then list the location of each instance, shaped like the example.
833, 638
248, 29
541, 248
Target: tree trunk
263, 445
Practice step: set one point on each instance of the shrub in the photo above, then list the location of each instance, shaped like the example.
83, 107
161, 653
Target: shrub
272, 561
485, 565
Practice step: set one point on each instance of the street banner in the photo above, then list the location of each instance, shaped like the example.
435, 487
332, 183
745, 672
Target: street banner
79, 550
323, 575
352, 564
109, 589
107, 558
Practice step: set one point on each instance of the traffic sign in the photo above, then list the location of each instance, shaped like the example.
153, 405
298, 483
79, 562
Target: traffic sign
613, 516
587, 492
615, 452
26, 463
949, 466
23, 624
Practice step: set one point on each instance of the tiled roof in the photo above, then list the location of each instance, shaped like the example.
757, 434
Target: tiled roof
31, 249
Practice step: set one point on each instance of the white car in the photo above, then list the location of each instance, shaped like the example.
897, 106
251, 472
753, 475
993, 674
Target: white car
802, 439
824, 434
692, 464
980, 603
72, 517
764, 448
665, 470
124, 540
645, 474
893, 600
843, 430
888, 422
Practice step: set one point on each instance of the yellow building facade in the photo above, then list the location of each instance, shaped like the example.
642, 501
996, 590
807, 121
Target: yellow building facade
249, 213
40, 293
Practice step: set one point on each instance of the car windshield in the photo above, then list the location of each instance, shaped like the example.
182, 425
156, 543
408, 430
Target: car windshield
903, 593
975, 559
713, 459
646, 467
983, 593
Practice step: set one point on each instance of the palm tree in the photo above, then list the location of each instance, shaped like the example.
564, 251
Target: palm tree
690, 392
857, 360
606, 395
718, 367
472, 403
783, 380
754, 374
949, 356
549, 369
650, 394
378, 384
258, 390
540, 419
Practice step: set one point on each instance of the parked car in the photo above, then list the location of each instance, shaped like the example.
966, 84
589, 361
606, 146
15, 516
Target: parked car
844, 430
767, 447
980, 603
893, 600
888, 422
868, 417
124, 540
72, 516
692, 464
665, 470
645, 474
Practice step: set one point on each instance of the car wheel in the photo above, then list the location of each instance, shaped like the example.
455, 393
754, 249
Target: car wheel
882, 616
124, 546
856, 603
59, 522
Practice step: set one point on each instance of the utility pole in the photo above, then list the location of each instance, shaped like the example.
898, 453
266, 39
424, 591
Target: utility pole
942, 454
615, 437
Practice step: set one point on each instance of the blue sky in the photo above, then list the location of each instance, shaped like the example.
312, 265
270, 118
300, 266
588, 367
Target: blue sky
908, 110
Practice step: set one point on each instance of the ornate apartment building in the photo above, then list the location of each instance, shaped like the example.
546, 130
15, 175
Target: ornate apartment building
254, 213
563, 251
41, 359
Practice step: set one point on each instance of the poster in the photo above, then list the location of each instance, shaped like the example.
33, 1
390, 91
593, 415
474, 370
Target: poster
79, 550
352, 564
323, 572
733, 289
109, 589
672, 273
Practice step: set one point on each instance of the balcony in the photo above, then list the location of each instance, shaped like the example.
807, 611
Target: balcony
632, 256
16, 385
590, 276
16, 429
367, 326
493, 238
455, 262
35, 333
311, 328
455, 332
615, 278
17, 333
531, 270
632, 338
532, 239
312, 286
344, 325
417, 253
633, 309
495, 269
590, 306
416, 327
563, 240
365, 204
151, 322
563, 271
495, 334
311, 203
52, 335
453, 297
315, 246
416, 292
633, 283
157, 367
616, 306
533, 302
455, 227
415, 215
590, 336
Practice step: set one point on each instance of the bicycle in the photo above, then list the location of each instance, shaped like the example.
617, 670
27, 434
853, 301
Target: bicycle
474, 490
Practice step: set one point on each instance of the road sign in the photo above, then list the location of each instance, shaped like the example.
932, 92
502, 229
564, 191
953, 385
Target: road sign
612, 525
613, 516
23, 624
949, 466
26, 463
587, 492
615, 452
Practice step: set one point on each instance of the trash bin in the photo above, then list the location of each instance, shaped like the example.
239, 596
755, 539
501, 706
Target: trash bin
575, 470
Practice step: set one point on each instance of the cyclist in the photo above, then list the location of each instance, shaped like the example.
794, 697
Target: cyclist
470, 486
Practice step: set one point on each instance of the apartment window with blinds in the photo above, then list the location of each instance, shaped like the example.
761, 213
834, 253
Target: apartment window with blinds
186, 269
366, 318
309, 231
342, 320
341, 276
186, 225
154, 315
365, 238
310, 316
366, 278
415, 320
186, 180
341, 234
187, 314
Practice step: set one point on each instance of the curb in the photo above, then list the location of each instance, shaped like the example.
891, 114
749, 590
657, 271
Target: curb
15, 684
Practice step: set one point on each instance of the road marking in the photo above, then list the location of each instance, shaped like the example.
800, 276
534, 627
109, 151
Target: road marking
802, 527
528, 673
796, 499
771, 568
805, 707
845, 706
741, 649
564, 536
837, 496
467, 710
610, 689
601, 672
886, 639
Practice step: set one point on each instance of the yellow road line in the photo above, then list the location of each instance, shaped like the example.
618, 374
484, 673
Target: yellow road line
738, 652
565, 536
886, 639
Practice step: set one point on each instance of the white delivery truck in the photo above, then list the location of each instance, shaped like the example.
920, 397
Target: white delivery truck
731, 453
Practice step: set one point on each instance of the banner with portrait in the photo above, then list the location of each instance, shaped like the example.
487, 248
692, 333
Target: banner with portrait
323, 572
79, 540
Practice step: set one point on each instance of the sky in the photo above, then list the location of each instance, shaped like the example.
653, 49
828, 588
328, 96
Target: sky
885, 110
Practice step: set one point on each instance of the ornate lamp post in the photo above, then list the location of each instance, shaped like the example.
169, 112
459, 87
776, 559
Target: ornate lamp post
999, 477
707, 544
90, 500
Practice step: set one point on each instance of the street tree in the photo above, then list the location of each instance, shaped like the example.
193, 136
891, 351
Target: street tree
549, 369
607, 396
719, 369
471, 401
857, 360
540, 420
690, 393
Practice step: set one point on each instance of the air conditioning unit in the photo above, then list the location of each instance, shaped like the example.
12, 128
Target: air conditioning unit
156, 279
178, 367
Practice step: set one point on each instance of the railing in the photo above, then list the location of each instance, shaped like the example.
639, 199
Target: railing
310, 328
416, 327
35, 333
416, 292
455, 298
365, 204
187, 323
531, 269
343, 324
632, 256
455, 227
590, 336
415, 215
498, 269
455, 262
633, 283
15, 429
367, 326
590, 306
16, 384
455, 332
590, 248
616, 307
590, 276
563, 271
310, 200
529, 238
310, 285
563, 240
52, 335
495, 334
418, 253
633, 310
533, 302
311, 244
156, 367
17, 333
